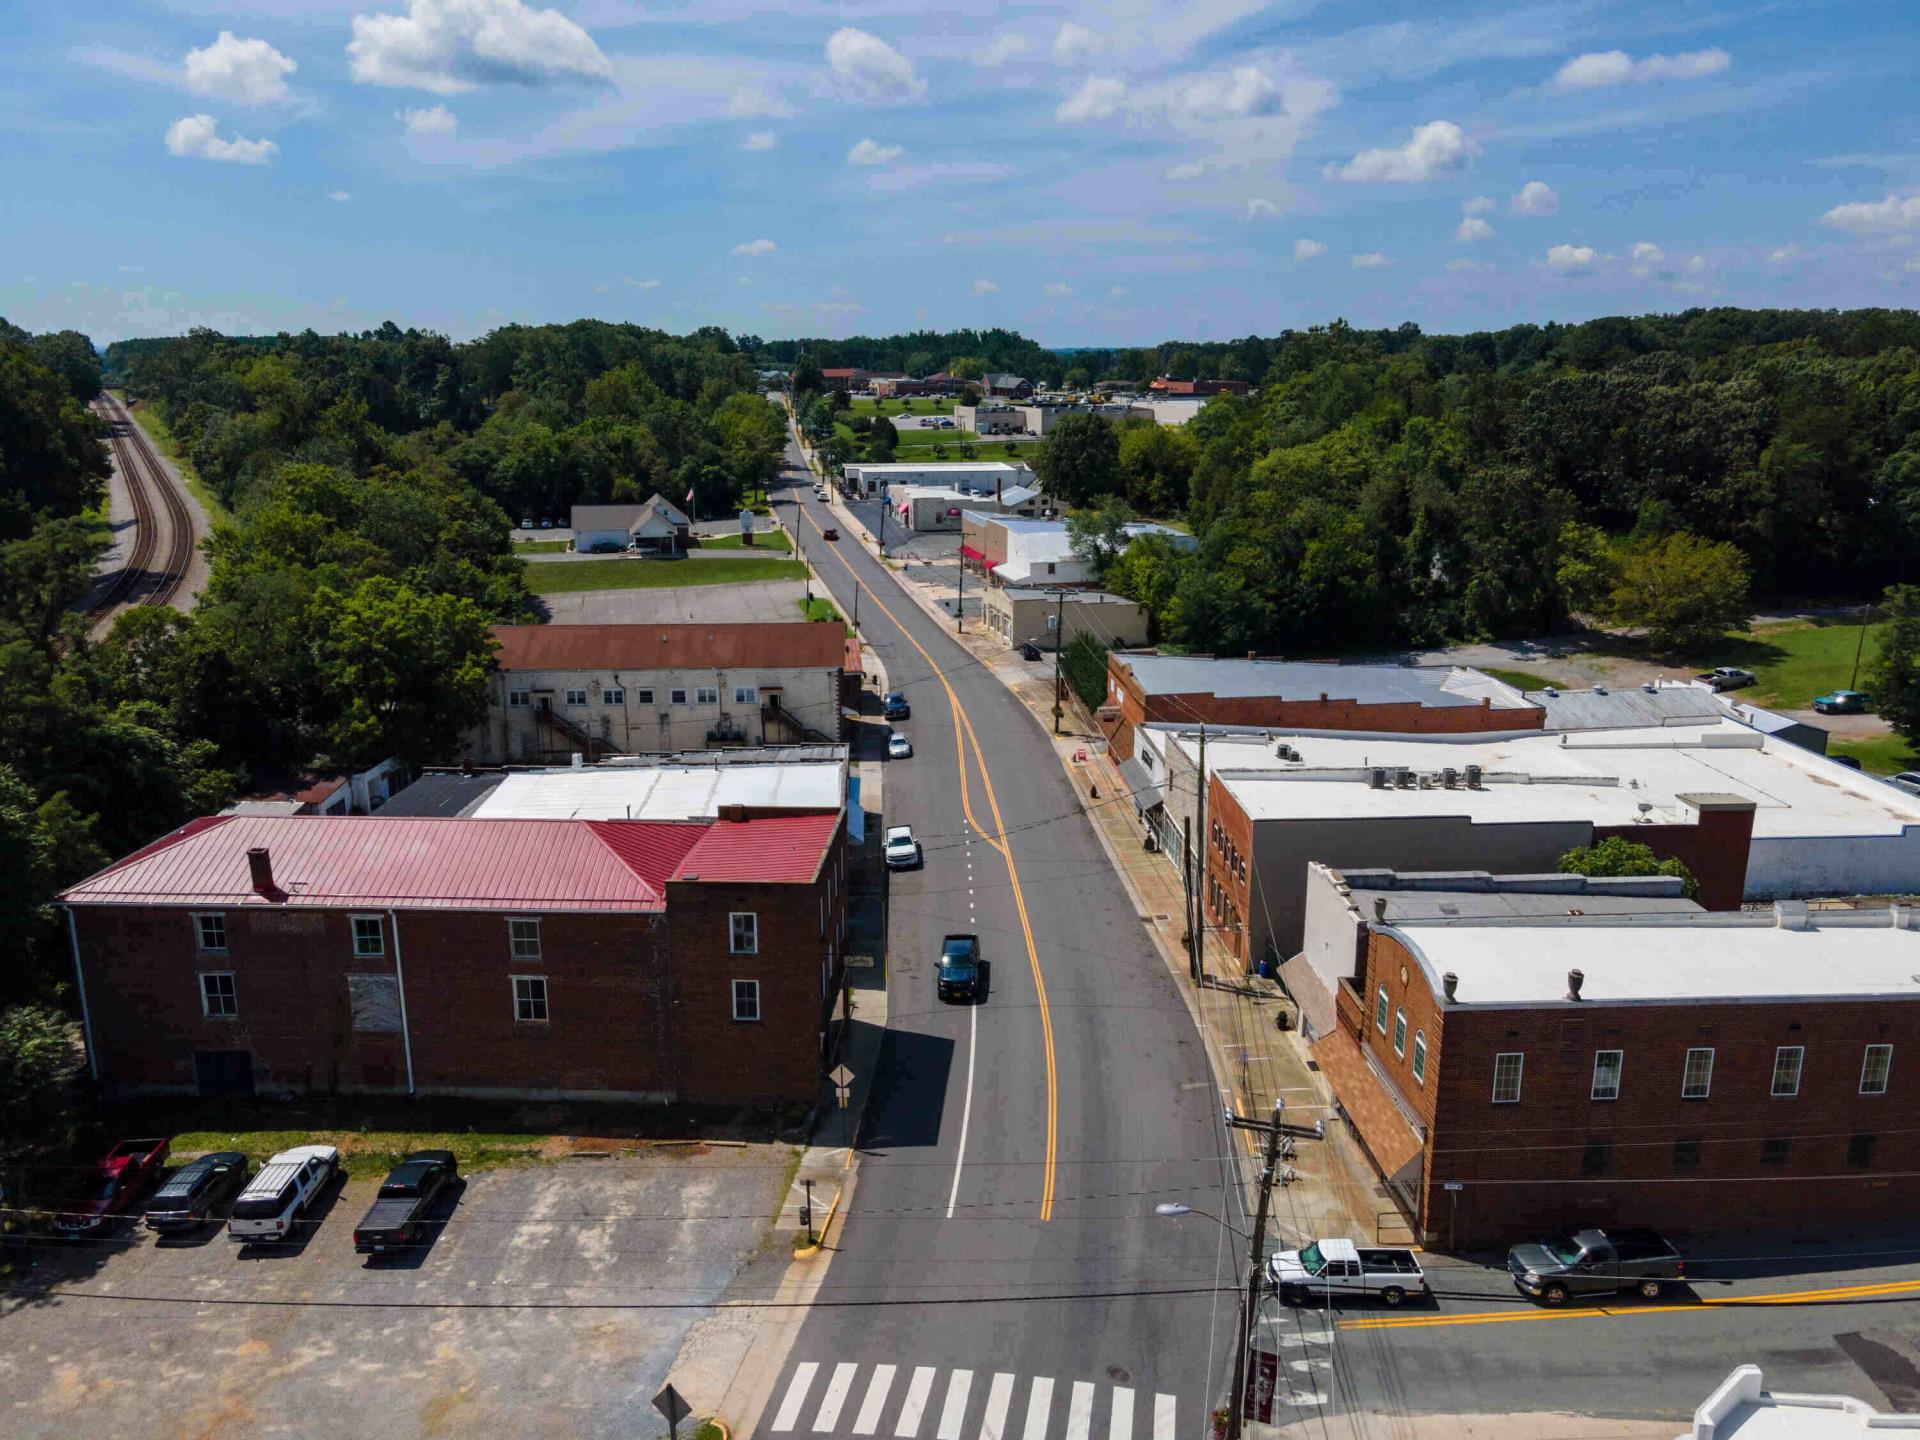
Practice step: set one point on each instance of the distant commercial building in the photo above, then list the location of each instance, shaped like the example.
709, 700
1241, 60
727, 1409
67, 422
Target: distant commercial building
1015, 550
561, 690
1024, 616
980, 477
514, 959
1007, 387
656, 526
1169, 387
991, 418
1667, 702
928, 508
1164, 412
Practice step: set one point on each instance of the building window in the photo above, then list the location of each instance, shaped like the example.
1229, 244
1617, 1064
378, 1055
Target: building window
1786, 1070
1399, 1032
744, 928
1773, 1150
746, 999
678, 697
1596, 1157
1420, 1057
530, 999
1686, 1155
1860, 1152
211, 933
613, 695
746, 695
706, 695
576, 697
523, 939
369, 940
217, 998
1875, 1066
643, 697
1606, 1074
1506, 1077
519, 699
1380, 1011
1696, 1081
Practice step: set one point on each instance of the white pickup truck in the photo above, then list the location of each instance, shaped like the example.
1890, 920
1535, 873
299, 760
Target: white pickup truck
1339, 1267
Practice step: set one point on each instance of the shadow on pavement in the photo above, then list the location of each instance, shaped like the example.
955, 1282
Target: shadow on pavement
905, 1111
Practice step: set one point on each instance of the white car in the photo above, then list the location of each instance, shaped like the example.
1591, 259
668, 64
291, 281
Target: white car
279, 1195
903, 851
899, 747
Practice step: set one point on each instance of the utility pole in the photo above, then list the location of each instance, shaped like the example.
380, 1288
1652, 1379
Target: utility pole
1200, 877
1193, 898
960, 598
1256, 1265
1859, 646
1059, 644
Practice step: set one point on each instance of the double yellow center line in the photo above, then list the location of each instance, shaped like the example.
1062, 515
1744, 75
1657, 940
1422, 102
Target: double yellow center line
1830, 1294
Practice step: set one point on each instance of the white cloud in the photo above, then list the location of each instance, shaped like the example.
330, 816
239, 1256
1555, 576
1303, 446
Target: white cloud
1784, 254
1257, 207
246, 72
639, 284
1075, 44
1647, 253
1186, 170
1615, 67
1304, 250
1099, 99
1572, 259
340, 197
985, 287
755, 247
1463, 264
1229, 95
1437, 148
1535, 198
872, 152
434, 120
1473, 228
1372, 260
1010, 46
750, 102
744, 280
194, 137
1478, 205
1875, 217
872, 68
1698, 265
1056, 291
448, 46
1118, 292
759, 140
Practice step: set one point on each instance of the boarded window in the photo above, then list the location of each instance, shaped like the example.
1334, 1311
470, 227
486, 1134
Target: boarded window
375, 1000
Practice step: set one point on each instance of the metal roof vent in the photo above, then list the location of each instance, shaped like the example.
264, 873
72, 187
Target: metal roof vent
1575, 979
1648, 686
1552, 693
1599, 689
1451, 983
1473, 777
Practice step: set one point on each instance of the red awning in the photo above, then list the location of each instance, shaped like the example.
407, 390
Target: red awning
972, 554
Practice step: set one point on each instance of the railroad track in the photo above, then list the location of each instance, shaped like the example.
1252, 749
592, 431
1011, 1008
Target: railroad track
163, 541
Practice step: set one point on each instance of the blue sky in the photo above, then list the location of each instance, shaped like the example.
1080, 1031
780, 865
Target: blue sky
1111, 173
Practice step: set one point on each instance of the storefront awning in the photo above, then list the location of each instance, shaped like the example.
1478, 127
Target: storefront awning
1146, 794
1373, 1111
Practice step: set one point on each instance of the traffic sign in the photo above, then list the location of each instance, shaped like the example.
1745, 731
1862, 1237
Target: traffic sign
670, 1403
841, 1076
1453, 1185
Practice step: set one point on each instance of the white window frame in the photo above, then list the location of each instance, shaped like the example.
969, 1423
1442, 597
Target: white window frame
1866, 1069
536, 994
1519, 1059
1399, 1032
360, 951
200, 919
752, 947
613, 695
1420, 1057
643, 697
746, 694
1799, 1063
231, 996
575, 697
739, 993
677, 697
1380, 1007
519, 699
1686, 1067
1619, 1069
706, 694
517, 944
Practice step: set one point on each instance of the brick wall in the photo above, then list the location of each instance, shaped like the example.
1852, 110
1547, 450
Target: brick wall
1715, 849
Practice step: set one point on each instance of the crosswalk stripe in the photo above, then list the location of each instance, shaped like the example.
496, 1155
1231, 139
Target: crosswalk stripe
1039, 1400
916, 1403
1163, 1417
999, 1396
956, 1406
1080, 1410
868, 1420
835, 1397
1120, 1427
796, 1395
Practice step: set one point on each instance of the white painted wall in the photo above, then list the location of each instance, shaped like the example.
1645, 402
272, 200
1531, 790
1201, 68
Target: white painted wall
1788, 867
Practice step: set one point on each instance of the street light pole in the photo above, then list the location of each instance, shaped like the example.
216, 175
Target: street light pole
1250, 1302
1059, 644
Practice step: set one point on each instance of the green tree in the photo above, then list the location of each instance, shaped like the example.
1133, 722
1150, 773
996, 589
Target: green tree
1894, 677
1084, 664
1682, 590
1587, 569
969, 394
1618, 856
1098, 533
39, 1052
1157, 462
1081, 460
71, 356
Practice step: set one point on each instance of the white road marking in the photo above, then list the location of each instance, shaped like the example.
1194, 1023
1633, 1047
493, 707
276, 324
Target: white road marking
916, 1402
835, 1397
955, 1409
1080, 1410
993, 1425
1039, 1399
966, 1109
1120, 1425
868, 1420
796, 1395
1163, 1427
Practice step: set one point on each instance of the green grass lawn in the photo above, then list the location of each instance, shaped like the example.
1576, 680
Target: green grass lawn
818, 608
1793, 663
1883, 755
762, 540
539, 547
635, 574
149, 420
917, 405
1525, 679
367, 1150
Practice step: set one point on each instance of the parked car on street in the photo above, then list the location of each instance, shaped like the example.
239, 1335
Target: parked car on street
1847, 760
195, 1192
109, 1189
902, 850
1841, 702
894, 705
1339, 1267
406, 1195
282, 1193
899, 747
958, 974
1907, 780
829, 533
1727, 677
1590, 1262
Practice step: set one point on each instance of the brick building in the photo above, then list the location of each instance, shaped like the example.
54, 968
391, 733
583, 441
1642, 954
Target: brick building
1521, 1076
637, 960
1167, 385
1291, 694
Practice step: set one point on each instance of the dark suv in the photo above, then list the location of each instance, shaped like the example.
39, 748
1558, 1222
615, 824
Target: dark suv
959, 973
895, 706
196, 1191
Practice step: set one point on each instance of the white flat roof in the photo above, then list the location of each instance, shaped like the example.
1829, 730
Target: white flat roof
1600, 776
1666, 958
660, 792
1435, 685
902, 467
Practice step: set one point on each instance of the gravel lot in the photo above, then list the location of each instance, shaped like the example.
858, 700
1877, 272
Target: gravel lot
752, 601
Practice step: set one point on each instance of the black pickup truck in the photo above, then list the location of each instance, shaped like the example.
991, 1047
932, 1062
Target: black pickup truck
1594, 1261
406, 1195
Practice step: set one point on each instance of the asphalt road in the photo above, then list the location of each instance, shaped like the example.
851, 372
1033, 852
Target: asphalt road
1000, 1268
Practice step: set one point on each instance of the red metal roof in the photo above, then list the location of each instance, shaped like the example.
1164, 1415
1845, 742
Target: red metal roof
797, 645
771, 849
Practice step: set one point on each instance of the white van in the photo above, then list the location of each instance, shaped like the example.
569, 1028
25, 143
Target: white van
280, 1194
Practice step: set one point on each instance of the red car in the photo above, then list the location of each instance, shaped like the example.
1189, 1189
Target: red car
829, 534
112, 1186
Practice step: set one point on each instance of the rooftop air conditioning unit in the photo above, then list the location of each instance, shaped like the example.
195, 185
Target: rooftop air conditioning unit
1426, 782
1404, 778
1473, 777
1450, 778
1552, 693
1599, 689
1376, 778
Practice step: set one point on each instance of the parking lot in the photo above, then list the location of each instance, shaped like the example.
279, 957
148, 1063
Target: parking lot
551, 1300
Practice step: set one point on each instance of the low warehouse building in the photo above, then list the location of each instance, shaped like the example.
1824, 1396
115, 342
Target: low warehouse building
981, 477
1041, 617
656, 527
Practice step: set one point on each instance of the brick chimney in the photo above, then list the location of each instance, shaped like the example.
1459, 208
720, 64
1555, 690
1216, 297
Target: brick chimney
260, 868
